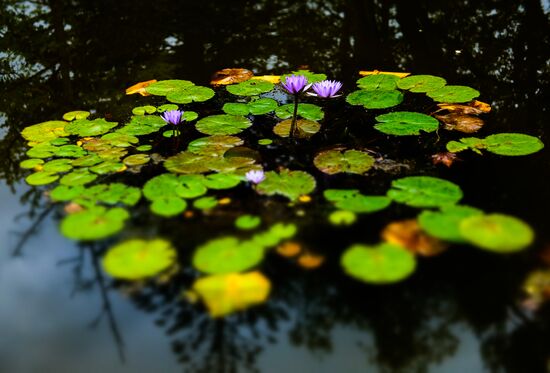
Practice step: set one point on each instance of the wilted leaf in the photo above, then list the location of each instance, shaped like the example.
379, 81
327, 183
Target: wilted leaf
289, 249
375, 72
304, 128
231, 76
408, 234
268, 78
140, 88
446, 158
310, 260
461, 122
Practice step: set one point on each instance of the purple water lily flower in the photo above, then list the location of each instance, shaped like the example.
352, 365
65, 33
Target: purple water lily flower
326, 88
173, 117
295, 84
255, 177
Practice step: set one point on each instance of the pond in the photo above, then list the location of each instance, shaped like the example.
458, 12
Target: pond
273, 186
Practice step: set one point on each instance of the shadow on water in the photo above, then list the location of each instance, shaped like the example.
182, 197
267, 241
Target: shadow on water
58, 55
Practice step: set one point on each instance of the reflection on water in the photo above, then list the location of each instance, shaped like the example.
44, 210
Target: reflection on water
64, 55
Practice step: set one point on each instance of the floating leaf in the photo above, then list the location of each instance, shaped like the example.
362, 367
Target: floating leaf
227, 293
352, 200
108, 167
120, 139
338, 160
453, 93
141, 110
268, 78
31, 163
461, 123
512, 144
215, 145
381, 264
87, 160
472, 108
168, 206
291, 184
231, 76
306, 111
45, 131
222, 124
94, 224
247, 222
445, 158
143, 125
78, 177
167, 107
342, 217
375, 72
57, 165
41, 178
421, 83
164, 87
403, 123
424, 191
409, 235
445, 224
235, 108
86, 128
378, 81
262, 106
136, 159
77, 114
221, 181
377, 99
267, 141
205, 203
310, 76
66, 193
289, 249
274, 235
190, 94
497, 232
140, 88
226, 255
138, 259
250, 88
144, 148
472, 143
304, 128
310, 261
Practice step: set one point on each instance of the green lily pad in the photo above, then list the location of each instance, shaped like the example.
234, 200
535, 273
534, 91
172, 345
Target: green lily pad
110, 194
190, 94
167, 107
403, 123
215, 145
191, 186
94, 224
512, 144
310, 76
205, 203
108, 167
235, 108
262, 106
472, 143
352, 200
31, 163
445, 224
187, 163
306, 111
421, 83
274, 235
164, 87
58, 165
87, 128
120, 139
453, 94
221, 181
377, 99
342, 217
78, 177
497, 233
77, 114
378, 81
247, 222
291, 184
144, 148
381, 264
41, 178
45, 131
250, 88
138, 259
63, 193
336, 160
142, 125
226, 255
136, 159
168, 206
87, 160
70, 151
142, 110
305, 128
424, 191
266, 141
223, 124
43, 150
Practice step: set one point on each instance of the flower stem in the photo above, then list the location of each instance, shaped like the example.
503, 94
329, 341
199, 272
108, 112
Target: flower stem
294, 117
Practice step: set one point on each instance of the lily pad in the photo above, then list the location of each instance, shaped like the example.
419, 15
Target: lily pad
445, 224
78, 177
424, 191
378, 81
77, 114
144, 148
291, 184
342, 217
94, 224
497, 233
310, 76
168, 206
31, 163
226, 255
262, 106
305, 128
453, 93
87, 160
205, 203
227, 293
58, 165
142, 110
402, 123
472, 143
164, 87
377, 99
306, 111
221, 181
246, 222
235, 108
66, 193
138, 259
223, 124
512, 144
190, 94
215, 145
41, 178
45, 131
266, 141
250, 88
421, 83
87, 128
353, 200
337, 160
381, 264
70, 151
167, 107
136, 159
108, 167
143, 125
120, 139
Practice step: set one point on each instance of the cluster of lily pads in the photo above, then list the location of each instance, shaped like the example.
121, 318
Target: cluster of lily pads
82, 155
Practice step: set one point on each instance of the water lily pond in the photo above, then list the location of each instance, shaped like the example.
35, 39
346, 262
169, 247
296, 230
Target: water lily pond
370, 194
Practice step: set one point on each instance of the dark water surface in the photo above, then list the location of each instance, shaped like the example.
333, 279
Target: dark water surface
459, 313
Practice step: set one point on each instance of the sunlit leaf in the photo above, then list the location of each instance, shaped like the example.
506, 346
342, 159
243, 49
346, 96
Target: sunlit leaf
140, 88
205, 203
190, 94
78, 177
31, 163
41, 178
77, 114
164, 87
94, 224
268, 78
85, 127
250, 88
247, 222
375, 72
142, 110
305, 128
342, 217
45, 131
453, 93
378, 81
421, 83
512, 144
136, 159
57, 165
